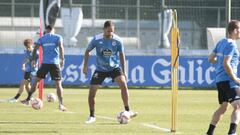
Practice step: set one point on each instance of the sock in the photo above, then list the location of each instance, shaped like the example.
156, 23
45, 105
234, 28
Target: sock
29, 96
233, 128
127, 108
211, 129
17, 96
92, 113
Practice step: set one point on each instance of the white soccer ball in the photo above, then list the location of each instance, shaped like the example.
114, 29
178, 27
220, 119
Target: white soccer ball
51, 97
123, 117
37, 104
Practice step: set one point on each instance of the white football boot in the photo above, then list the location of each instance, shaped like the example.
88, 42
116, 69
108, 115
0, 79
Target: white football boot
133, 114
90, 120
12, 100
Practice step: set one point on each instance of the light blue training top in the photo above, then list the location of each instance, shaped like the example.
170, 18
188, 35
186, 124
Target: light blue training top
50, 44
107, 51
226, 48
28, 65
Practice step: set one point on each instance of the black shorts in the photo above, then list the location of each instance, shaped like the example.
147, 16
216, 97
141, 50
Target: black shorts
226, 93
54, 70
27, 76
99, 76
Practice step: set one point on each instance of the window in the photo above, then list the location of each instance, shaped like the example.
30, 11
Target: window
22, 11
26, 1
5, 10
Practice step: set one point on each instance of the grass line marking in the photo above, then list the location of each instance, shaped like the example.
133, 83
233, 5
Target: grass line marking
158, 128
70, 112
3, 101
155, 127
105, 117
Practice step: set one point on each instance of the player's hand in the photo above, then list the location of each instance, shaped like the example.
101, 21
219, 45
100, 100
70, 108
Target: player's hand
23, 67
85, 70
237, 80
33, 63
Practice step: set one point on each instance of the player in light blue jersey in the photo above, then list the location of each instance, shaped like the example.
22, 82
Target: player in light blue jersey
53, 61
110, 63
226, 57
28, 70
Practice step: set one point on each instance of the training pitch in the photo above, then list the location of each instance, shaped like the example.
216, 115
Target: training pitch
195, 108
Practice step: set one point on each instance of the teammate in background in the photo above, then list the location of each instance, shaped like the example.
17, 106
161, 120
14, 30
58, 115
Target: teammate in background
109, 47
226, 57
53, 61
28, 70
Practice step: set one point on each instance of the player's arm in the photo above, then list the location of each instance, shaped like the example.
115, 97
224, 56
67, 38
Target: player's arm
86, 57
212, 58
122, 61
34, 55
90, 47
229, 70
25, 61
61, 50
122, 58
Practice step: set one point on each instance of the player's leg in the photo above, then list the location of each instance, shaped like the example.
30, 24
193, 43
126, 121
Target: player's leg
96, 81
91, 99
217, 115
20, 90
59, 88
32, 90
56, 75
124, 90
235, 116
33, 87
222, 87
41, 74
27, 81
121, 81
23, 85
91, 103
27, 86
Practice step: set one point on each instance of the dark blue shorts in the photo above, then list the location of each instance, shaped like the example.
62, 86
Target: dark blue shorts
27, 76
54, 70
226, 93
99, 76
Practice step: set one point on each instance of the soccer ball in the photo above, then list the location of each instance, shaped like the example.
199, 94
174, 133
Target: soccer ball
51, 97
37, 104
123, 117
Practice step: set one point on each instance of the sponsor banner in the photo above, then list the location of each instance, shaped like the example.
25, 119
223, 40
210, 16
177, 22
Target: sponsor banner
141, 71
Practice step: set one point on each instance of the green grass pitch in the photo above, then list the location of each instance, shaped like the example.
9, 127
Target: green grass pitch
195, 108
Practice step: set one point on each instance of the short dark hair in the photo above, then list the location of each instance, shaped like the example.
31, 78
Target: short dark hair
233, 24
108, 24
49, 27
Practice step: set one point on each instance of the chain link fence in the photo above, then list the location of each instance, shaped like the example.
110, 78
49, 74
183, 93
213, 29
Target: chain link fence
137, 21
